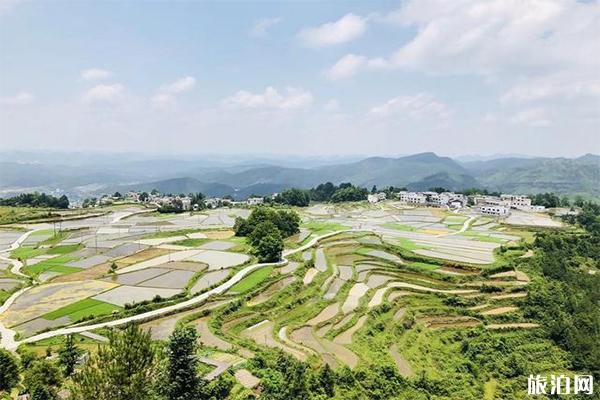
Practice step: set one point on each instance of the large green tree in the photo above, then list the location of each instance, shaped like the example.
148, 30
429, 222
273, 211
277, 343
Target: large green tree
269, 246
183, 382
68, 355
124, 369
42, 379
9, 371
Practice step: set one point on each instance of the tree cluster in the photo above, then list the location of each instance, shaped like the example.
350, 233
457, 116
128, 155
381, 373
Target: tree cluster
293, 197
326, 192
266, 228
36, 200
566, 299
549, 200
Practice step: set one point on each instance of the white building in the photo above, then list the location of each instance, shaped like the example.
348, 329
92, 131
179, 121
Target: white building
377, 197
412, 197
495, 210
213, 202
254, 201
186, 203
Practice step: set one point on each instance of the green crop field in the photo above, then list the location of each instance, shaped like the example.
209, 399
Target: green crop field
321, 227
252, 280
400, 227
191, 242
424, 266
83, 308
56, 264
65, 249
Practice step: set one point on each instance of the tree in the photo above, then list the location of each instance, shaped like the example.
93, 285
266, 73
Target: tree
260, 231
68, 355
43, 393
143, 196
293, 197
117, 195
269, 246
9, 371
198, 199
125, 368
43, 377
374, 189
183, 381
326, 380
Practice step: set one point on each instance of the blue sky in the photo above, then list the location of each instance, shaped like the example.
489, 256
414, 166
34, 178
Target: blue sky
454, 77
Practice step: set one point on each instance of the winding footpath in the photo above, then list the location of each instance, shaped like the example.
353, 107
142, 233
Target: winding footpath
8, 335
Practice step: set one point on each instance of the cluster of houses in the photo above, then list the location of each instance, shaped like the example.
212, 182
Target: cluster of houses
450, 199
162, 200
499, 206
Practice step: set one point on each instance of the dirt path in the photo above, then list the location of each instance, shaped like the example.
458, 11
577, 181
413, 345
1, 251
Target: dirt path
499, 310
208, 338
402, 365
346, 336
262, 334
325, 315
246, 379
518, 325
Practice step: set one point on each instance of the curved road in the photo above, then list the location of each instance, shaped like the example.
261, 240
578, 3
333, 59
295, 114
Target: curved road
8, 335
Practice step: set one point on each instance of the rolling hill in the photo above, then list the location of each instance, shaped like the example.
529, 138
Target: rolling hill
417, 172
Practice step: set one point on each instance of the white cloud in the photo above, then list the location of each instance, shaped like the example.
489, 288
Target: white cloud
19, 99
261, 27
347, 28
516, 37
534, 117
419, 106
95, 74
103, 93
556, 86
346, 67
271, 99
162, 100
179, 86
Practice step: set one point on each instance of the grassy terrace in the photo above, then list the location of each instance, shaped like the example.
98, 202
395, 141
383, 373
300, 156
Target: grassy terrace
83, 309
252, 280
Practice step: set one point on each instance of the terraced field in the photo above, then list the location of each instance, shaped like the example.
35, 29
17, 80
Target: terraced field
386, 280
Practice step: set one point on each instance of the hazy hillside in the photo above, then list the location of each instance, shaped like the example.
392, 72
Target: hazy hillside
253, 176
547, 175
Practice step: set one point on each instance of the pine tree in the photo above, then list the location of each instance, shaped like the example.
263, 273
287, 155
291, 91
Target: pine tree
68, 355
9, 371
125, 369
184, 382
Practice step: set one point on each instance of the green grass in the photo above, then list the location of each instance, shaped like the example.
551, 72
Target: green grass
252, 280
489, 389
166, 234
424, 266
321, 227
400, 227
483, 238
69, 248
191, 242
409, 244
55, 264
26, 252
83, 308
54, 239
9, 215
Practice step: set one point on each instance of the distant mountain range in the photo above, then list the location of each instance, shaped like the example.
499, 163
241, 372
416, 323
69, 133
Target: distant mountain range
259, 176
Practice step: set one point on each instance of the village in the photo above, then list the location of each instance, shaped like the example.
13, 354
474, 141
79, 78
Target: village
498, 206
